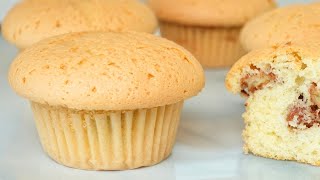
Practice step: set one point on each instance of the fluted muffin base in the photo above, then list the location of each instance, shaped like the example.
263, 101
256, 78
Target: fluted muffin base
212, 46
107, 140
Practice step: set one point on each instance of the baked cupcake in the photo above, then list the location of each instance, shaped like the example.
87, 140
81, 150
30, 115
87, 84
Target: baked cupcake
283, 101
33, 20
208, 28
292, 23
106, 100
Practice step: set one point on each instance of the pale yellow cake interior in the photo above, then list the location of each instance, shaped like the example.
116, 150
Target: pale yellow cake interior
267, 132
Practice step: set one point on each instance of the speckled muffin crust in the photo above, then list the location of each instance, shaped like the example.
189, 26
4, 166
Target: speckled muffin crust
209, 12
107, 100
292, 23
30, 21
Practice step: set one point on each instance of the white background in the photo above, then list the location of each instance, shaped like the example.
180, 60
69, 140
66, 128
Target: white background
6, 4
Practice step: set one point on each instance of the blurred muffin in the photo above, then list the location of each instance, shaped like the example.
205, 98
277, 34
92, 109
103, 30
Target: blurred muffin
33, 20
106, 100
208, 28
283, 101
288, 24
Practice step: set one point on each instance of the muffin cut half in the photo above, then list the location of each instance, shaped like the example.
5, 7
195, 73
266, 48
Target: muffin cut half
282, 115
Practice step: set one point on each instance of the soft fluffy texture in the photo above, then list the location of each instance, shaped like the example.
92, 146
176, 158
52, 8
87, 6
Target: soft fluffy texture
268, 131
106, 71
292, 23
33, 20
210, 12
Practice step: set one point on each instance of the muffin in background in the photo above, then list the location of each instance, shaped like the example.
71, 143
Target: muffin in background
106, 100
295, 23
30, 21
208, 28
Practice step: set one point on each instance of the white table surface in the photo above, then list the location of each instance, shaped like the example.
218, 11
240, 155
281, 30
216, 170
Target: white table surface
208, 144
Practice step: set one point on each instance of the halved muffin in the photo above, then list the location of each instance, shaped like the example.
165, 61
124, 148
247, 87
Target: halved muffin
282, 115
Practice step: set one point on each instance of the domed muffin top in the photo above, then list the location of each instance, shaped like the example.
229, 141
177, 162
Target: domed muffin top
33, 20
210, 12
106, 71
292, 23
277, 61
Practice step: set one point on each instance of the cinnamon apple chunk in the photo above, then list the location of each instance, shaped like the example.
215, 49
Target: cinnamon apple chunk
250, 83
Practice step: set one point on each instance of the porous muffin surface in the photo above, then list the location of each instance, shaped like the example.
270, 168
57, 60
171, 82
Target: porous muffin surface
210, 12
33, 20
106, 71
292, 23
282, 107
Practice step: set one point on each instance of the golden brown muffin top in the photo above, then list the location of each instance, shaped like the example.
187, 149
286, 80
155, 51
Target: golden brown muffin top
210, 12
292, 23
33, 20
106, 71
277, 56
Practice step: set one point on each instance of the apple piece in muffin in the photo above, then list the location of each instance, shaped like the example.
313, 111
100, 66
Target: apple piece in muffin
282, 89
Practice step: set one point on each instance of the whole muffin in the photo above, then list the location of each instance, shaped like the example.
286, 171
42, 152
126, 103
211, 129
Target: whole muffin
33, 20
288, 24
106, 100
282, 87
208, 28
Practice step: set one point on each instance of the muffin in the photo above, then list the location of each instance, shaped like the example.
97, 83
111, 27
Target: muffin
33, 20
208, 28
106, 100
292, 23
283, 101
